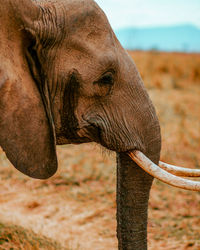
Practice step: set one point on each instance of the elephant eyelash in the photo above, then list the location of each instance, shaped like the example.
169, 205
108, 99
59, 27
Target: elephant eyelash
106, 80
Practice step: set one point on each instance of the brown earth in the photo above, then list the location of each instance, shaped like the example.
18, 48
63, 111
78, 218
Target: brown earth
77, 206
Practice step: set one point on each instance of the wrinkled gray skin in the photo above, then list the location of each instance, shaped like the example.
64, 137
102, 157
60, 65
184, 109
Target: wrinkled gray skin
64, 78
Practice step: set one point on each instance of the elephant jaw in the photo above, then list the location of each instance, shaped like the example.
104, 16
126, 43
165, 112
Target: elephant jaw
167, 173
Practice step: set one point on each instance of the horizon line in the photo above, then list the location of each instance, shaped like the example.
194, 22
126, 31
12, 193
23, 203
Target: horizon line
157, 26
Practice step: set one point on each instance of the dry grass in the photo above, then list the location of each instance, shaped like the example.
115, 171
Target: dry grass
77, 206
15, 238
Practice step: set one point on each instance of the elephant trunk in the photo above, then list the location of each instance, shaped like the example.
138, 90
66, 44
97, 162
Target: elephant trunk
133, 187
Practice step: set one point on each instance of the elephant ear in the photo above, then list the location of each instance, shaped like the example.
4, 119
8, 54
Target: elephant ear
26, 126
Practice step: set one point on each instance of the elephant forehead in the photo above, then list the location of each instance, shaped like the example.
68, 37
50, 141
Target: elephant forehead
88, 42
78, 25
83, 16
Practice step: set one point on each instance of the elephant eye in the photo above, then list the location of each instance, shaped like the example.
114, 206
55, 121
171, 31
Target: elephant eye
106, 79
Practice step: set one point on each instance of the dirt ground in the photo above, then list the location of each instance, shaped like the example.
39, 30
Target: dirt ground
77, 206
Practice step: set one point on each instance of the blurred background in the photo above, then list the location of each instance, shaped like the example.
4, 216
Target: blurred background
167, 25
76, 208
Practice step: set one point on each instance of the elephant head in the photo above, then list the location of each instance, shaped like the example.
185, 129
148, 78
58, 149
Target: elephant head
65, 78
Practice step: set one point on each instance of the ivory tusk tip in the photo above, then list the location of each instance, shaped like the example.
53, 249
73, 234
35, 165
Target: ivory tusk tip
179, 171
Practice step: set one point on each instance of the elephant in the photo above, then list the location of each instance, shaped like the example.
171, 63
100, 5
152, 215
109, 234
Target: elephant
66, 79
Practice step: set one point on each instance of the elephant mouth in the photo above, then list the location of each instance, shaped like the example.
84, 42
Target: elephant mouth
89, 132
169, 174
172, 175
95, 133
74, 138
83, 134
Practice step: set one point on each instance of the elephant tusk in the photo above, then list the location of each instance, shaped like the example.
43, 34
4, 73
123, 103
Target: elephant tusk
157, 172
179, 171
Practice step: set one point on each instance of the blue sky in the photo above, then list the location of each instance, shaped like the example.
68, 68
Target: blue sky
137, 13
